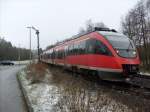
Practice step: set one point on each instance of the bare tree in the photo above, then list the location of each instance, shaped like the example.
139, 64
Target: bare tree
81, 31
148, 4
100, 24
89, 25
135, 25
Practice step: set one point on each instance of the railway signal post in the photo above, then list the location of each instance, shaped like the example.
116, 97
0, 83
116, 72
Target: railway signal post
38, 44
29, 27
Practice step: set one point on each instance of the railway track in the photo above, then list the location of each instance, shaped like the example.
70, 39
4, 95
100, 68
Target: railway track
140, 80
138, 85
137, 81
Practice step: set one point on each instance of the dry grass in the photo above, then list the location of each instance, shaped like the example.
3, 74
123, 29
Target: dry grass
37, 72
77, 93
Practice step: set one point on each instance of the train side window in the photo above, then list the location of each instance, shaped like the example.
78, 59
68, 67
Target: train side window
77, 49
94, 46
48, 55
53, 55
69, 49
100, 48
90, 43
62, 54
72, 48
83, 47
56, 54
66, 51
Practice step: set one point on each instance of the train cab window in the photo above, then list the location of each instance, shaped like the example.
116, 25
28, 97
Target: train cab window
100, 48
97, 47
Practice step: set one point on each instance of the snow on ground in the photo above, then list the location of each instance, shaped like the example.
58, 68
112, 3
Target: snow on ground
42, 96
145, 73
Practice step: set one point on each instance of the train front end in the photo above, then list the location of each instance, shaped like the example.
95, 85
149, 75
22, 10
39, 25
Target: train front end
124, 51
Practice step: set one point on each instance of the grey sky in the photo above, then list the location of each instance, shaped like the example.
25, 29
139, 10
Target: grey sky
56, 19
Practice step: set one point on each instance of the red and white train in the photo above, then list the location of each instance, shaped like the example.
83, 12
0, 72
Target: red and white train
106, 52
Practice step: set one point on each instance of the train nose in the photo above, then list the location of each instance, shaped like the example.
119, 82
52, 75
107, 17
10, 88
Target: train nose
130, 68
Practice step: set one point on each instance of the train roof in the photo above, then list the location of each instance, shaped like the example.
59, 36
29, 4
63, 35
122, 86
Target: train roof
102, 31
79, 35
110, 33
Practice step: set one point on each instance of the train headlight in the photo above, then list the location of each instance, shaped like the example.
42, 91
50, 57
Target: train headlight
134, 52
117, 51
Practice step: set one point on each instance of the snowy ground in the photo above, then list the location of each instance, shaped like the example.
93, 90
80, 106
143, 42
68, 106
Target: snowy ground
145, 73
61, 92
43, 97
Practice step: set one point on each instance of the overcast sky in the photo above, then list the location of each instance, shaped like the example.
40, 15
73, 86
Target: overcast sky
56, 19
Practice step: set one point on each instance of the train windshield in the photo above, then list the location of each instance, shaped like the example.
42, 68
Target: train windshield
122, 44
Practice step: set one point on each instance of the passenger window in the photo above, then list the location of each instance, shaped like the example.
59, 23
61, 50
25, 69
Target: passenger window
83, 47
90, 46
66, 51
75, 49
80, 48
